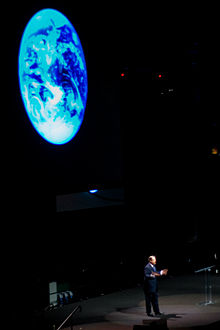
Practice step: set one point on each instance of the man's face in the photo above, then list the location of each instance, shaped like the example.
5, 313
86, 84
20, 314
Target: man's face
153, 260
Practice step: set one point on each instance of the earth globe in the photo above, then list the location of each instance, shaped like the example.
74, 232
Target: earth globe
53, 76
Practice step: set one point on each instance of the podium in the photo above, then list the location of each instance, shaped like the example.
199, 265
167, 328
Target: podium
208, 285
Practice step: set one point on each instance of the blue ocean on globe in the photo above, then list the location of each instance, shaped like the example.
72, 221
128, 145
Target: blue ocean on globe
53, 76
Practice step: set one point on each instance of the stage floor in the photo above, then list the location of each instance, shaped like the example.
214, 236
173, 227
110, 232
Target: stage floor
181, 299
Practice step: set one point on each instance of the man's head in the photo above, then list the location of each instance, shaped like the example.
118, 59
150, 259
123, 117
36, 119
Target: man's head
152, 260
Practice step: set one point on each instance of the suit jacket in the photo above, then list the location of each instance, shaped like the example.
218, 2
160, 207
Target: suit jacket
150, 282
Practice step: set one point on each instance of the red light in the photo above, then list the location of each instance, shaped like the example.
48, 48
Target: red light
159, 75
122, 74
214, 151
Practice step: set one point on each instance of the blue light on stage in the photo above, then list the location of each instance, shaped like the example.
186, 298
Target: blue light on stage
93, 191
53, 76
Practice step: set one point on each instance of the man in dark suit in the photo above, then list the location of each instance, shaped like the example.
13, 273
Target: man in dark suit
151, 287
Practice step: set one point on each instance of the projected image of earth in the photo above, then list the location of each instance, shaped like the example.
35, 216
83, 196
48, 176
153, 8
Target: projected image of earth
53, 76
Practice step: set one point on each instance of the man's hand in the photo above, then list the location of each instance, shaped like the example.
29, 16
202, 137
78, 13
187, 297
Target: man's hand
164, 272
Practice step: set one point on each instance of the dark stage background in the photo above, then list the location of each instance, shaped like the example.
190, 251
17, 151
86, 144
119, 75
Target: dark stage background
140, 132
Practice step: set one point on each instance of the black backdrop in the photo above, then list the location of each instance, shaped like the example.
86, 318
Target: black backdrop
127, 133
